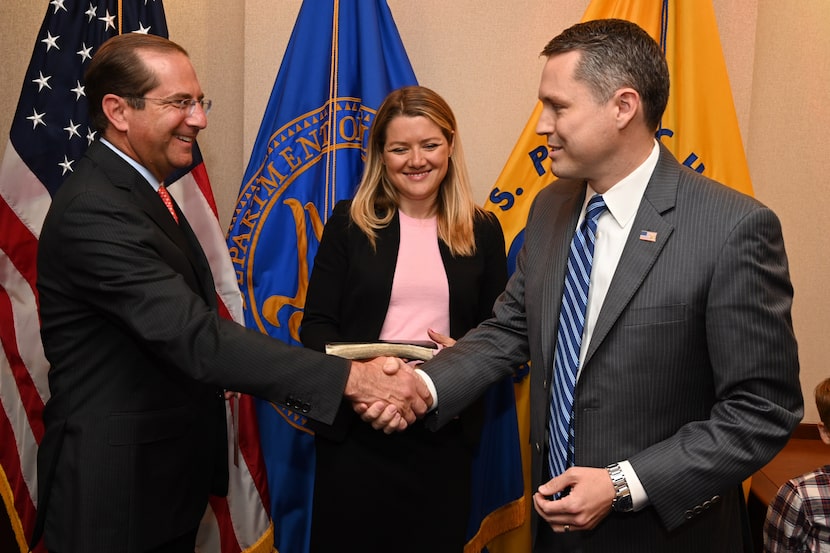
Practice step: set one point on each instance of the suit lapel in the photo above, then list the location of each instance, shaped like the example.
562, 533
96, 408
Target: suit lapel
638, 255
197, 258
559, 221
149, 201
124, 176
180, 233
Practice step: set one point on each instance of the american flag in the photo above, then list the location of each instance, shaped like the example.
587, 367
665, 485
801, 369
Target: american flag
49, 133
648, 235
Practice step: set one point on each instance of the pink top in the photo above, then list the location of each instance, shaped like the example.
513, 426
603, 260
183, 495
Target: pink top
420, 293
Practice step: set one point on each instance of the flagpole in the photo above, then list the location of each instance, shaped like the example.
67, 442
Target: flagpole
331, 159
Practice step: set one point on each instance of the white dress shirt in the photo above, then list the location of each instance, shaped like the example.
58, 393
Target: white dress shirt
613, 228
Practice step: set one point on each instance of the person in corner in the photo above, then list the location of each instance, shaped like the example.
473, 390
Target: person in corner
798, 519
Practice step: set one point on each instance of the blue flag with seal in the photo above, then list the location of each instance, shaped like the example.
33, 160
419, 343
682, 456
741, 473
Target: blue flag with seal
343, 58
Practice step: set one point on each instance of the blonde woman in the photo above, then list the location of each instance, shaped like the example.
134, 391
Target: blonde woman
410, 258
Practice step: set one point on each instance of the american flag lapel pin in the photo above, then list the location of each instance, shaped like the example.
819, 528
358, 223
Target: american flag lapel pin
648, 236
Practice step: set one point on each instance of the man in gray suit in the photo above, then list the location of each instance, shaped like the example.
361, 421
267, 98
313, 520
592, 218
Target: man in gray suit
688, 373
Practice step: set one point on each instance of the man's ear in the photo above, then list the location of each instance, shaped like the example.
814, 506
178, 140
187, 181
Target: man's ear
628, 105
115, 108
823, 433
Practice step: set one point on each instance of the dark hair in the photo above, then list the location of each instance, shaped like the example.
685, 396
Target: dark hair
615, 54
823, 402
117, 68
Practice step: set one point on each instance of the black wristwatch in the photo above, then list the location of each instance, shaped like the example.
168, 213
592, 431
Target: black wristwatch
622, 502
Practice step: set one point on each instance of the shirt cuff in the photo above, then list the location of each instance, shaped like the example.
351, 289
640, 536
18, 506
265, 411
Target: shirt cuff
431, 386
639, 497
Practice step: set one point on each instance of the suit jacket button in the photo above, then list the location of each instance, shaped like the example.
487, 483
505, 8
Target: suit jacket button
538, 447
305, 408
689, 515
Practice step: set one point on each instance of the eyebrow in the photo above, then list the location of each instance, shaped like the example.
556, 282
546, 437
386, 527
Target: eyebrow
183, 96
428, 139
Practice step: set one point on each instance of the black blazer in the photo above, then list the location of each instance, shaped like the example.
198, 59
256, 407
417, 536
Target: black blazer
135, 436
350, 287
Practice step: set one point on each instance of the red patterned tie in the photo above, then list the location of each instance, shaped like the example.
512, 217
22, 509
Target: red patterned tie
165, 197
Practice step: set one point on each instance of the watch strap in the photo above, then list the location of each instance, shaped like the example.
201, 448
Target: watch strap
622, 502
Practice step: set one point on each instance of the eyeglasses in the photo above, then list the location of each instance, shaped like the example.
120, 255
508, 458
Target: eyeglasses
188, 104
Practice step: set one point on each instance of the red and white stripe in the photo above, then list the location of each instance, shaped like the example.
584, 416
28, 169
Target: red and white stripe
238, 523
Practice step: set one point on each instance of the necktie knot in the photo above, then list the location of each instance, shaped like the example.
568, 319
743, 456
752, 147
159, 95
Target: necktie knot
596, 207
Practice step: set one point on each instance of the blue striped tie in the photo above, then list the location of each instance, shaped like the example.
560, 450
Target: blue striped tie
569, 339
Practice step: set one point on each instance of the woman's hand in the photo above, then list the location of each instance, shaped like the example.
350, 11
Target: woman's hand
440, 339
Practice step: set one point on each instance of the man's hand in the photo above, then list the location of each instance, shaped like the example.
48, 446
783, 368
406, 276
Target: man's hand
588, 502
387, 393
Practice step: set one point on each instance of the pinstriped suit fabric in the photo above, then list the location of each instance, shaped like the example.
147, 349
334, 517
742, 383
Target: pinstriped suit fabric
139, 356
692, 369
569, 338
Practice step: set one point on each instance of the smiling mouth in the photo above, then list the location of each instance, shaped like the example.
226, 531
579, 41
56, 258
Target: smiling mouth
419, 174
187, 139
552, 150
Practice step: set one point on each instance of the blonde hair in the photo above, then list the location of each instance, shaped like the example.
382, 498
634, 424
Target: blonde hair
377, 200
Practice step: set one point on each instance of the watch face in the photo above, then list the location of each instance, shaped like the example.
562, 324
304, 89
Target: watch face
624, 504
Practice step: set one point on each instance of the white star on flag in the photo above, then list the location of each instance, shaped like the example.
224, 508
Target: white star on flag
49, 134
51, 41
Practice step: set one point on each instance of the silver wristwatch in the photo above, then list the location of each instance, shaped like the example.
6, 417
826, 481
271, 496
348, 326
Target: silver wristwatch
622, 502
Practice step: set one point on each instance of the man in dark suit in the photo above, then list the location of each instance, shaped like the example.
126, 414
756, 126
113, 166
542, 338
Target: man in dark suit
135, 434
688, 373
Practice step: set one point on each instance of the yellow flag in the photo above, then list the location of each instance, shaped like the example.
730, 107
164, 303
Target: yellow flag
699, 127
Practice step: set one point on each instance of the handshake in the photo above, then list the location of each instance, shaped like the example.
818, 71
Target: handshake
387, 393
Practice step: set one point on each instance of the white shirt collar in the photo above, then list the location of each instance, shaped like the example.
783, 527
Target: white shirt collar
137, 166
623, 199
